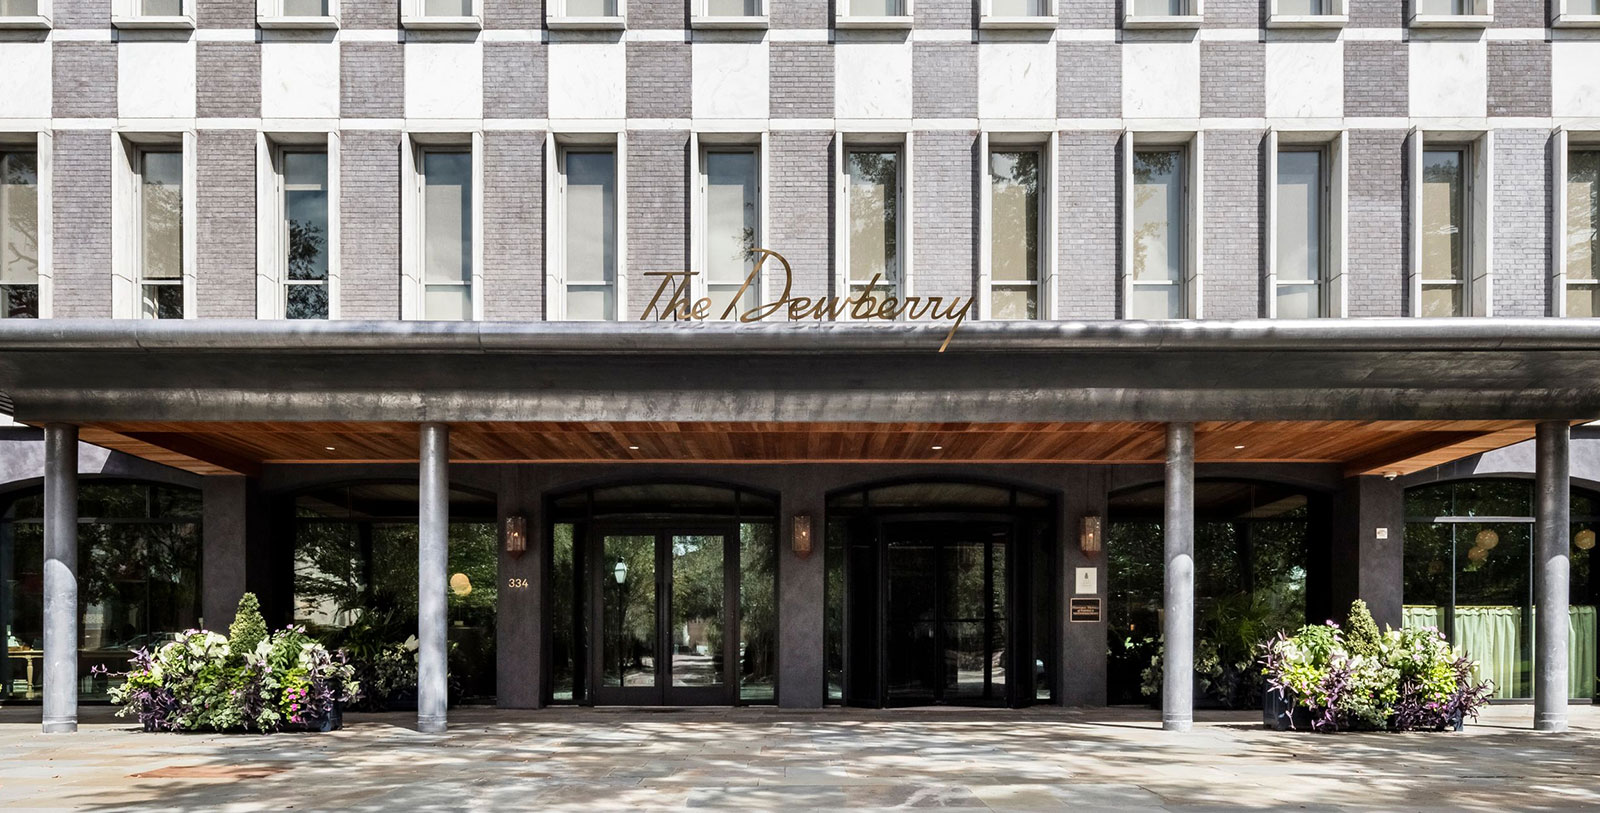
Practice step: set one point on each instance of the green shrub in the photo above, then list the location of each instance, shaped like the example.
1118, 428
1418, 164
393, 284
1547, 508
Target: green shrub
249, 629
1361, 634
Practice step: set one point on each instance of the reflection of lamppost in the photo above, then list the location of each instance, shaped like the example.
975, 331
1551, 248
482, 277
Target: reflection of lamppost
620, 573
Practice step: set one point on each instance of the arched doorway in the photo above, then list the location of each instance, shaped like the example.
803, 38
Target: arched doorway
663, 593
939, 593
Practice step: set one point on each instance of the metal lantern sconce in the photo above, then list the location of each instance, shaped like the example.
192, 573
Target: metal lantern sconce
620, 572
516, 535
1089, 539
801, 544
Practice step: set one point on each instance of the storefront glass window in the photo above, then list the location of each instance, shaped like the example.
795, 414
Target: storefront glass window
1469, 573
138, 580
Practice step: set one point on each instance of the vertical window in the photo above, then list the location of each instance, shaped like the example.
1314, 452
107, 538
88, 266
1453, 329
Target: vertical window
161, 8
874, 8
305, 234
305, 8
19, 234
161, 234
1302, 254
447, 8
1015, 244
733, 8
446, 234
1444, 232
731, 195
19, 8
1019, 8
874, 221
1444, 7
1583, 8
1159, 8
1302, 8
1159, 192
1583, 240
589, 190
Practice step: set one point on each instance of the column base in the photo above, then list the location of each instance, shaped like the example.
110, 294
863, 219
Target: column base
431, 725
60, 726
1183, 724
1553, 725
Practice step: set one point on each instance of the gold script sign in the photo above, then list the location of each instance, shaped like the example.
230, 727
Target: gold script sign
863, 306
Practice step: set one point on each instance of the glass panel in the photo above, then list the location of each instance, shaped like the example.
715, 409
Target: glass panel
447, 217
874, 216
758, 612
447, 8
306, 301
1583, 300
1442, 6
591, 234
563, 613
162, 8
732, 230
161, 227
628, 576
305, 8
963, 605
163, 301
1014, 218
19, 8
1299, 301
1443, 215
1158, 232
833, 622
696, 618
1299, 216
19, 301
733, 8
1583, 215
1019, 8
305, 209
875, 8
1158, 8
448, 302
1301, 8
1441, 300
1589, 8
474, 586
1012, 302
19, 218
591, 8
914, 661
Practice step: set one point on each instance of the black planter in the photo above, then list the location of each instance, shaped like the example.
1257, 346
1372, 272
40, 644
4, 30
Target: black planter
332, 721
1280, 713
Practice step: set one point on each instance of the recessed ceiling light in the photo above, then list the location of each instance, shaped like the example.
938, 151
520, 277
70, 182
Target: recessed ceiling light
329, 448
633, 448
937, 448
1238, 447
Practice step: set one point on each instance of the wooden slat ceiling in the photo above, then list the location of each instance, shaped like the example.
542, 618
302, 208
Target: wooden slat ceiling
1363, 447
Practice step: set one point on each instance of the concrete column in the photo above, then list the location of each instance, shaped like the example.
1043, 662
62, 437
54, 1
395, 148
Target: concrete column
802, 677
1551, 574
224, 532
433, 564
60, 578
1177, 624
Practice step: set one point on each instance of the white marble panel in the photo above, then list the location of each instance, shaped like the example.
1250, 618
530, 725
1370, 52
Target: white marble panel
299, 80
1161, 80
1449, 79
730, 80
872, 80
1575, 78
1015, 80
444, 80
25, 80
1305, 79
155, 80
588, 80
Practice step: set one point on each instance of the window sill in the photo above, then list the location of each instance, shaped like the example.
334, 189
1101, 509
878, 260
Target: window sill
618, 23
1171, 21
1308, 21
995, 23
178, 22
902, 21
1450, 20
1576, 21
36, 22
730, 23
441, 23
318, 23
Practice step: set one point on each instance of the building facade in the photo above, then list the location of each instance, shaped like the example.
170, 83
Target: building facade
1050, 329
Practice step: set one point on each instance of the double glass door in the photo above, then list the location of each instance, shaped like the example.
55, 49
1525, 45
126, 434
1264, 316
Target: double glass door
667, 598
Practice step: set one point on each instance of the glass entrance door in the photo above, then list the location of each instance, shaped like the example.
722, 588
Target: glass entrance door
946, 631
663, 617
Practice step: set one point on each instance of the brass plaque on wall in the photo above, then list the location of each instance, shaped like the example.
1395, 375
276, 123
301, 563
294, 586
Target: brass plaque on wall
1083, 609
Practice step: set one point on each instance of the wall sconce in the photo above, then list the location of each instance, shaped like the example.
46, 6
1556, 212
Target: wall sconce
620, 572
801, 544
1584, 540
1089, 534
516, 535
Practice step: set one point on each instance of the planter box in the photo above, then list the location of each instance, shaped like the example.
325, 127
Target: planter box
1282, 714
333, 721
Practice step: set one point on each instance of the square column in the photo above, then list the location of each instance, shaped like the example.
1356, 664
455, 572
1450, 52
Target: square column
60, 578
1177, 621
1551, 573
433, 566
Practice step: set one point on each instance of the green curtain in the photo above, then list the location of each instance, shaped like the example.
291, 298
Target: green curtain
1491, 635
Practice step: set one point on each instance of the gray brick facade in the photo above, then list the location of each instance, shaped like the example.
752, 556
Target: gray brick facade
658, 215
1519, 78
1376, 79
944, 217
955, 94
225, 262
358, 14
1090, 226
85, 78
514, 83
372, 80
369, 224
1377, 266
81, 213
801, 210
1233, 79
513, 225
1088, 80
228, 79
811, 14
1522, 223
225, 13
668, 14
1233, 276
944, 13
1091, 14
659, 80
800, 80
512, 15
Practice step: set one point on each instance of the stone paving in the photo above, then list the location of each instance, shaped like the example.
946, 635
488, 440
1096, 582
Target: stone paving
604, 760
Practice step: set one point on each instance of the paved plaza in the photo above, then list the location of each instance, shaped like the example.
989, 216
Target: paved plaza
635, 759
